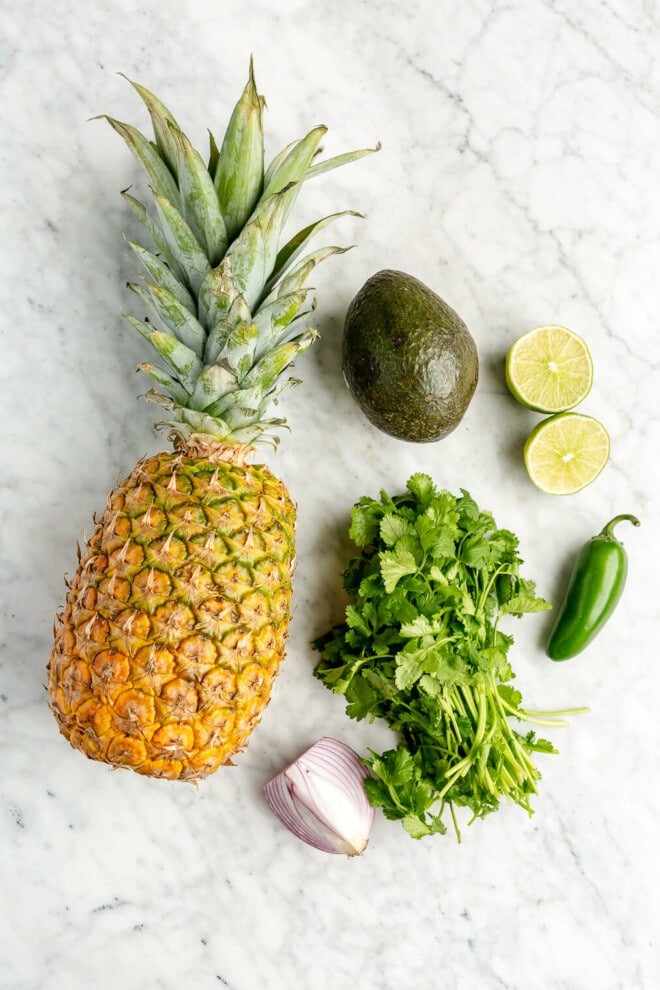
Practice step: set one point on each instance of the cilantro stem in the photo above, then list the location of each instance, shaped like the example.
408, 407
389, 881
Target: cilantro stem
455, 822
527, 712
483, 711
489, 780
450, 713
548, 718
468, 698
374, 656
488, 587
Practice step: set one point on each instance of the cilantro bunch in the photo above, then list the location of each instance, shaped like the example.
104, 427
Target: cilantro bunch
422, 649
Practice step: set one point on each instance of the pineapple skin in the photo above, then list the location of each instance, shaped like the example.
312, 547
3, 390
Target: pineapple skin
176, 619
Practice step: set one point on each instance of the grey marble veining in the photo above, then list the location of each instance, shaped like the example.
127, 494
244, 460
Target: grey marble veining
518, 177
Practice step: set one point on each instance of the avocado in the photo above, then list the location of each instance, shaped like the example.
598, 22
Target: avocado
408, 358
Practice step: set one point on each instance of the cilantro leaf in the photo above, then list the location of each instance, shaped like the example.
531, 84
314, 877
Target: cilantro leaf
417, 827
397, 785
365, 520
422, 487
420, 648
419, 626
394, 565
475, 551
392, 528
433, 539
524, 600
410, 667
510, 695
356, 621
361, 698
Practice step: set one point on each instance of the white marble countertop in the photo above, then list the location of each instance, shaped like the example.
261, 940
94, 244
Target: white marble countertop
519, 179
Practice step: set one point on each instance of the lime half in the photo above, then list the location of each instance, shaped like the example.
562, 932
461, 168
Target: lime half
566, 453
549, 369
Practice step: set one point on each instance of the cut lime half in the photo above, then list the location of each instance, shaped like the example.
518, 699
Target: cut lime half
566, 452
549, 369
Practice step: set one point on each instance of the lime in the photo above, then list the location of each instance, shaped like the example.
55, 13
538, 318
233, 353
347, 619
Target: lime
566, 452
549, 369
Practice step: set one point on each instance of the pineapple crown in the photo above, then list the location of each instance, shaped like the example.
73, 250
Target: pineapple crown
230, 297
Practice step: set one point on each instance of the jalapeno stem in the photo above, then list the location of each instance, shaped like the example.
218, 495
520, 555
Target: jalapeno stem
608, 530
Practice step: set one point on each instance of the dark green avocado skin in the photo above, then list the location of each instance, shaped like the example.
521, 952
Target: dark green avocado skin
408, 358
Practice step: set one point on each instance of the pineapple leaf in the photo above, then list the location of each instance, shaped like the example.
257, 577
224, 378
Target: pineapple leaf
248, 398
293, 248
162, 275
254, 398
160, 177
260, 429
339, 160
231, 301
276, 316
280, 334
297, 278
179, 320
273, 394
201, 422
314, 258
276, 162
294, 166
239, 170
162, 122
179, 357
183, 243
156, 234
268, 369
167, 381
215, 381
240, 347
280, 312
199, 201
238, 417
214, 156
251, 257
238, 313
294, 281
216, 294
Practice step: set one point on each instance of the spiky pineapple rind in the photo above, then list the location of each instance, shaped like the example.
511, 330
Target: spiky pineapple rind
176, 620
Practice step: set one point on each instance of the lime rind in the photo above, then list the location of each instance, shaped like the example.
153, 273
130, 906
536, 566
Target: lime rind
566, 452
549, 369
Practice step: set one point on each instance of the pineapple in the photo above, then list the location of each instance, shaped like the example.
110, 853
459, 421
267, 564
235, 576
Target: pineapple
176, 620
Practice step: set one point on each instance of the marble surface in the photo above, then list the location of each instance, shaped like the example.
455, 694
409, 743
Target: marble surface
518, 178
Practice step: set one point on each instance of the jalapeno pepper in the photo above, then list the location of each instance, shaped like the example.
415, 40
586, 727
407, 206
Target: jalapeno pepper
594, 588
